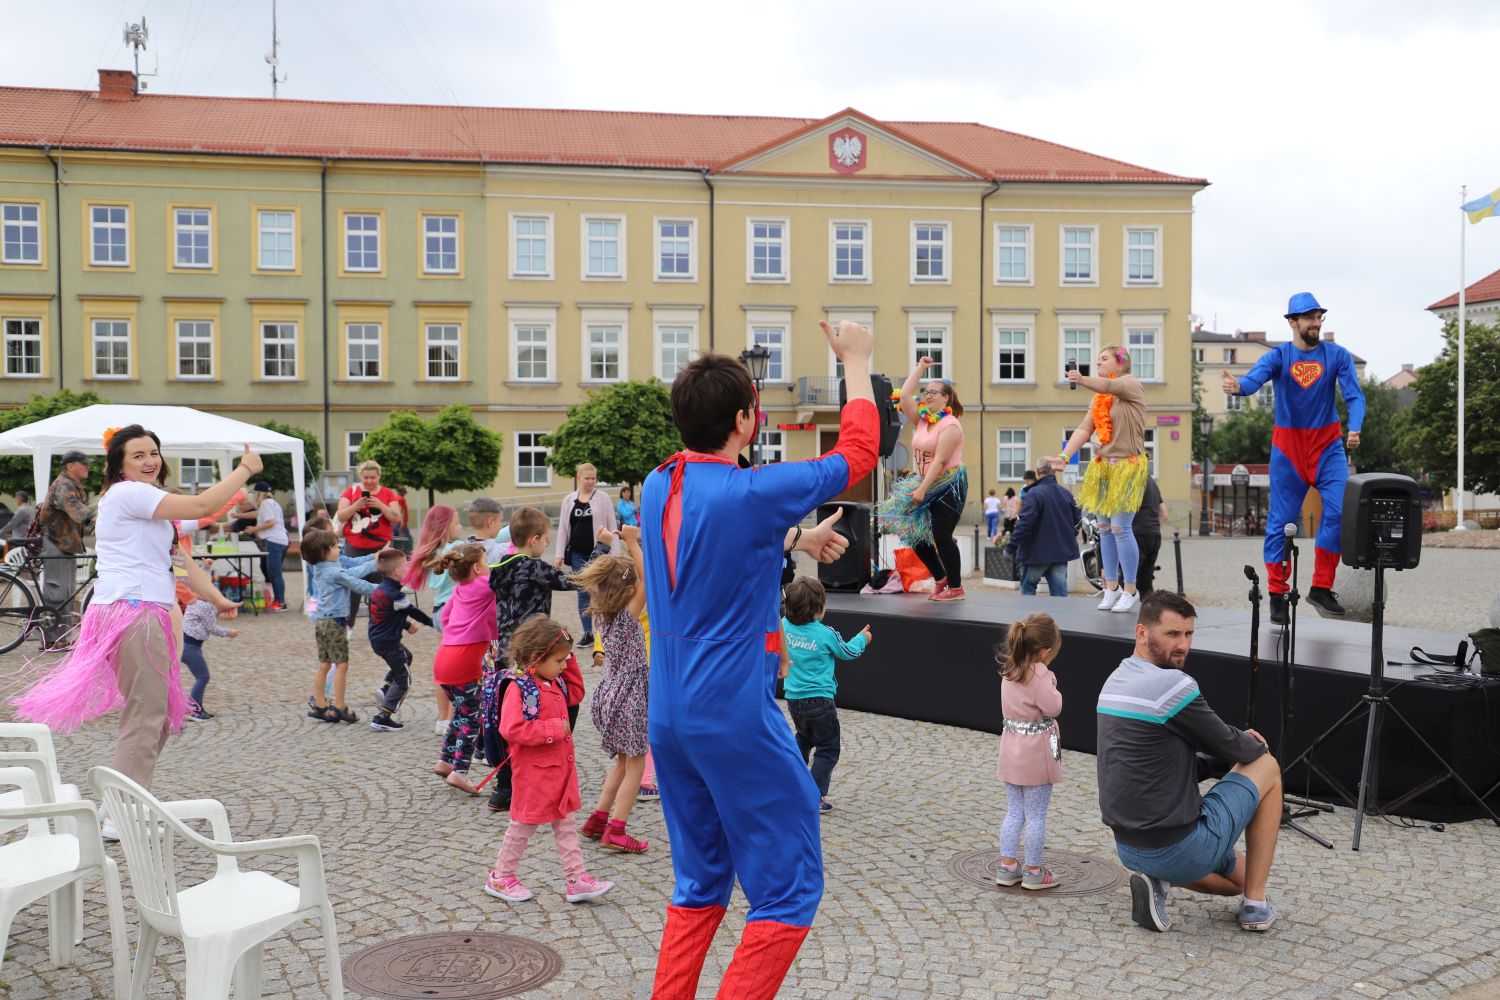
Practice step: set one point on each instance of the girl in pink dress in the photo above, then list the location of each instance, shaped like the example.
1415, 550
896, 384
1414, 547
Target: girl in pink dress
1030, 747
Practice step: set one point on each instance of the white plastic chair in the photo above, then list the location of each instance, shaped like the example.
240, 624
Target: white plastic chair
55, 865
38, 741
223, 922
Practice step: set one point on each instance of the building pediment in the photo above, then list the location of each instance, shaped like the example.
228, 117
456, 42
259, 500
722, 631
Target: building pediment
849, 145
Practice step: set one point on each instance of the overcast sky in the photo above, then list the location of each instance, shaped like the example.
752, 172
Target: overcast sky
1336, 134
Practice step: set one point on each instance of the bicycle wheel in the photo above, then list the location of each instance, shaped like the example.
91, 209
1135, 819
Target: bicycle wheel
17, 610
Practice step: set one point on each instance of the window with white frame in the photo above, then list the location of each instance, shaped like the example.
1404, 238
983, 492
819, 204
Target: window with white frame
20, 234
1085, 454
1012, 354
23, 347
195, 348
674, 249
531, 459
768, 251
278, 350
929, 246
931, 342
362, 350
851, 251
531, 246
198, 474
1078, 347
361, 242
1230, 354
1198, 354
605, 353
1150, 446
674, 349
276, 234
1140, 255
192, 229
1144, 345
1013, 255
111, 348
352, 442
1078, 255
440, 244
602, 248
1234, 403
444, 341
770, 447
1013, 455
109, 235
1265, 397
533, 352
773, 339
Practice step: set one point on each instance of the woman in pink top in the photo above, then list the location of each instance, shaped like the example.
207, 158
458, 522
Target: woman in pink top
924, 509
1030, 747
469, 626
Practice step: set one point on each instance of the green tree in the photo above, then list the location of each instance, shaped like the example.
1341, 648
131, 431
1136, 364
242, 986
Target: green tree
15, 470
1430, 442
278, 468
1381, 437
1243, 437
625, 430
451, 453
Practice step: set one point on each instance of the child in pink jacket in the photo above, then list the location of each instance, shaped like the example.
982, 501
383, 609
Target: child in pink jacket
1030, 747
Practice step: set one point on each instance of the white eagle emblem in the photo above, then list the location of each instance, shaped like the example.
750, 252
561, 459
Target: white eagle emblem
847, 150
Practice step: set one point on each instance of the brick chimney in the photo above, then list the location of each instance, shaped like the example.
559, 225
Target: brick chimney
116, 85
1328, 335
1409, 368
1256, 336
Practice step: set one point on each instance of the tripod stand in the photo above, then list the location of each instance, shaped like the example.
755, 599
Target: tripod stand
1374, 704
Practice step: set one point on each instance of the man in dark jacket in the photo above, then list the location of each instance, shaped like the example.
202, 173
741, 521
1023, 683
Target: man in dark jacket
1046, 535
1152, 723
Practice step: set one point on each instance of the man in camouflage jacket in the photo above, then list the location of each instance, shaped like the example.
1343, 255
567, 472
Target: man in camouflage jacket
66, 517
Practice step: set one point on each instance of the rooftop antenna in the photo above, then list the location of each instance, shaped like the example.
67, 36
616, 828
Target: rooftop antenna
136, 36
274, 57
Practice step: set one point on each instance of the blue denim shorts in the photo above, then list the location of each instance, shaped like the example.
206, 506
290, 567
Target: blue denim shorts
1227, 810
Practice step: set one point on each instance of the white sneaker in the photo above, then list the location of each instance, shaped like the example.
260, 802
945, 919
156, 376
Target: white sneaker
107, 829
1107, 602
1127, 602
441, 727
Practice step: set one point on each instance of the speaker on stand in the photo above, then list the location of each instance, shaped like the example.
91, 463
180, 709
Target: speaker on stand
852, 570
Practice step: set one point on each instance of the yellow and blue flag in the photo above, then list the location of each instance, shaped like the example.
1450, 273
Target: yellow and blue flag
1483, 208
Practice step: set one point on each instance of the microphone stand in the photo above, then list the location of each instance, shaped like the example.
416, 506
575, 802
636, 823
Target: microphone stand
1306, 807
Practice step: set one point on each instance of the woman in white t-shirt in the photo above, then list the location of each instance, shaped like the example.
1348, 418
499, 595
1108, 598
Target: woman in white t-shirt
270, 528
126, 653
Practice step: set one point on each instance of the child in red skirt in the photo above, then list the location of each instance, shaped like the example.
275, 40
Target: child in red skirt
468, 619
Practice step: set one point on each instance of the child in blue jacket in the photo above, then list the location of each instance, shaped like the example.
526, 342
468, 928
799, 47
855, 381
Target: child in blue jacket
331, 578
810, 683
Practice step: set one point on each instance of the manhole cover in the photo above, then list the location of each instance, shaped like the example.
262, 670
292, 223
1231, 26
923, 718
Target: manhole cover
451, 966
1077, 874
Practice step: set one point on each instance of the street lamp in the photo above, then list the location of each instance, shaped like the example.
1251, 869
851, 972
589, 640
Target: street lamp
756, 360
1205, 428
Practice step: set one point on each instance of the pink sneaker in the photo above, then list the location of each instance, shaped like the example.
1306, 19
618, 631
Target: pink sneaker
586, 887
508, 887
937, 592
949, 594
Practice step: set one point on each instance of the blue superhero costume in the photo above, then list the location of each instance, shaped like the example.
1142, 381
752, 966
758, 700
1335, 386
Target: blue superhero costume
736, 795
1307, 448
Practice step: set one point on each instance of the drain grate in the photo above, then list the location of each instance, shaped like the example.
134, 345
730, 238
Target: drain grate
451, 966
1077, 874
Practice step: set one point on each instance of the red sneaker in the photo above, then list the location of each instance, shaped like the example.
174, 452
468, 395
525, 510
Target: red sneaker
937, 593
950, 594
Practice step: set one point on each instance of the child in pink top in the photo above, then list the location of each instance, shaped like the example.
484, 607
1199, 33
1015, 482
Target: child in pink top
468, 618
1030, 747
544, 775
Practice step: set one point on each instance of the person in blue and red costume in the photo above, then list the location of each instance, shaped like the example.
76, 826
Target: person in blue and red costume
737, 797
1306, 449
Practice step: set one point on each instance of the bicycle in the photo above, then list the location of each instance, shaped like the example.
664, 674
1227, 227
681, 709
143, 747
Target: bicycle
22, 608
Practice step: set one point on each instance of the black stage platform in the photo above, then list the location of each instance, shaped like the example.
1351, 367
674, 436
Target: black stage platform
935, 663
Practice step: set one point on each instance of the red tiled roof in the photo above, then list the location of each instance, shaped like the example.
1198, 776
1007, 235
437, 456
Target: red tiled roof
1486, 289
265, 127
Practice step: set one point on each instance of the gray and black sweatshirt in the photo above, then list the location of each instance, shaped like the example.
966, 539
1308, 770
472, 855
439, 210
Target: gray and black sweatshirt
1152, 721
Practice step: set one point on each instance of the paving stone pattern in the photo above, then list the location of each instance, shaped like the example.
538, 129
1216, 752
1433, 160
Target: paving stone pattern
1412, 915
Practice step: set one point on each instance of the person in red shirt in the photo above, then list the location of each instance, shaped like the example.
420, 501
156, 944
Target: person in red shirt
367, 517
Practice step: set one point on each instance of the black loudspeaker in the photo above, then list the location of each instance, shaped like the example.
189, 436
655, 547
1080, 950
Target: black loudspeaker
852, 570
1382, 523
890, 412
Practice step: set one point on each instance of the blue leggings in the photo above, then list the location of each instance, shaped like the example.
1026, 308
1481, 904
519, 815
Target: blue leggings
1118, 549
1025, 804
192, 657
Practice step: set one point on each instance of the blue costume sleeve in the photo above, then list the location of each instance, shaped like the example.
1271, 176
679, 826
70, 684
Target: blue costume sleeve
1354, 396
1267, 368
783, 493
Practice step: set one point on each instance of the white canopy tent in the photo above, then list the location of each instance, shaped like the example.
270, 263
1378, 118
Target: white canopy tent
184, 433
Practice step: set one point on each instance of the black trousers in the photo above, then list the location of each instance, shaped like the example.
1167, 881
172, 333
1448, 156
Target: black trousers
941, 556
1150, 546
397, 675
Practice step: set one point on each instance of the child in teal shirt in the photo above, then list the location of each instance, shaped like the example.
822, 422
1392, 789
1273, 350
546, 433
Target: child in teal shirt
810, 682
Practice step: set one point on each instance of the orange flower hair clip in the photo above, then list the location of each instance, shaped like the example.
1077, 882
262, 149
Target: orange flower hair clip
109, 435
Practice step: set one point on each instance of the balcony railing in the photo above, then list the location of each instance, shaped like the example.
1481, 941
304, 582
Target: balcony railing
817, 390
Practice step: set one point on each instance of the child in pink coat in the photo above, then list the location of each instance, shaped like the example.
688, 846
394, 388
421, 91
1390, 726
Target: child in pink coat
1030, 747
544, 782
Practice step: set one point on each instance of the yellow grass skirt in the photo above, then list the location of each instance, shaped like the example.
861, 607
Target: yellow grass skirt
1114, 487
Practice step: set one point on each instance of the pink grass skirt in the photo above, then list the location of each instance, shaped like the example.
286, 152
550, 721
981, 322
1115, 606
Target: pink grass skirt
85, 685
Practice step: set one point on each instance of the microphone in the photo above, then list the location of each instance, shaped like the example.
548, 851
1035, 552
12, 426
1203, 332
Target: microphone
1290, 531
1251, 575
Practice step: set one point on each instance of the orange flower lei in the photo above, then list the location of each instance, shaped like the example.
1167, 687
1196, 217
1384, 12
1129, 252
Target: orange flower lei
1099, 409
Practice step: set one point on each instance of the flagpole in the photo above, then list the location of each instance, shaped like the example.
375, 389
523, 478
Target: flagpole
1463, 242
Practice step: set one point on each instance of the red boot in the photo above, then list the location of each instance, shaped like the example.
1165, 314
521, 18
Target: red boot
760, 963
684, 945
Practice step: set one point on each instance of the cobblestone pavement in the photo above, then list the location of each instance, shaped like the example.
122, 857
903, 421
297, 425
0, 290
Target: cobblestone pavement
1413, 915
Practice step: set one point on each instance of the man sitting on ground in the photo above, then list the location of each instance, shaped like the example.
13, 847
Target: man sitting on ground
1153, 721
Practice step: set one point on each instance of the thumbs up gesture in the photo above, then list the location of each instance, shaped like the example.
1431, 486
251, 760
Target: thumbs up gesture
1231, 385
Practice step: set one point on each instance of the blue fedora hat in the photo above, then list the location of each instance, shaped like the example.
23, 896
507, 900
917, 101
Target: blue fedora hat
1302, 302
